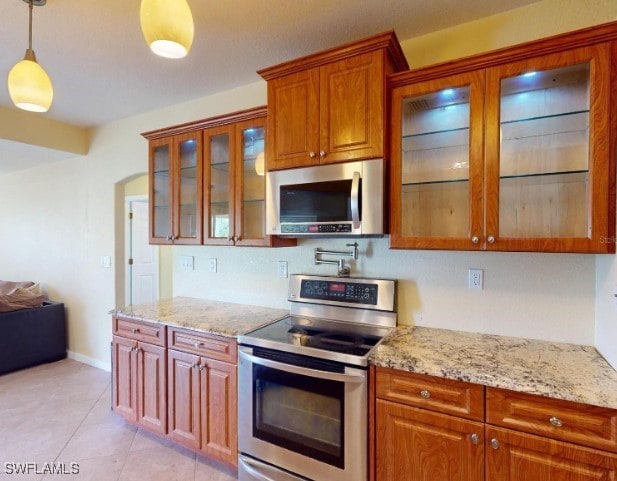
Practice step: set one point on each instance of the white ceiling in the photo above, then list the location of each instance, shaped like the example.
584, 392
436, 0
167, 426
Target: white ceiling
102, 70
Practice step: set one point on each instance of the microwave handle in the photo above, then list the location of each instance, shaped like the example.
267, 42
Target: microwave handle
355, 200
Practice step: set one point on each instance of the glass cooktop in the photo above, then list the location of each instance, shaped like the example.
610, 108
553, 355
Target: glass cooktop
323, 338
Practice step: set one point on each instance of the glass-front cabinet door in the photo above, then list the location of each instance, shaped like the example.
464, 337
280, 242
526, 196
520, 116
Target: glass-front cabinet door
219, 152
161, 191
175, 189
547, 152
250, 182
187, 215
436, 187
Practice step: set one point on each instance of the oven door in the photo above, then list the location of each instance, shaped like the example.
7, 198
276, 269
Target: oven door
304, 415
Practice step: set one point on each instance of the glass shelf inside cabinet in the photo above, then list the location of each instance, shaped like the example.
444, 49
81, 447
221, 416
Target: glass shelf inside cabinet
544, 153
435, 164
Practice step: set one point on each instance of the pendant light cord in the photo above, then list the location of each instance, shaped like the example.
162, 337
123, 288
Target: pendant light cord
30, 3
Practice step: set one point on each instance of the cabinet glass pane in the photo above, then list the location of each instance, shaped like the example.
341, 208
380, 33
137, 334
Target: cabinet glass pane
544, 154
435, 164
219, 186
161, 193
188, 188
253, 183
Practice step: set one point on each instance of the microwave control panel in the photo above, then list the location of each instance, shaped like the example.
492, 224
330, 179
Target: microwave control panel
339, 291
314, 228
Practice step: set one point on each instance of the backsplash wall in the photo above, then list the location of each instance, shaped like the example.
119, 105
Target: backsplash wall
541, 296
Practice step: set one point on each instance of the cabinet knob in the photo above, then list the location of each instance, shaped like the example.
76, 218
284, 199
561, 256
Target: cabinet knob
322, 154
312, 154
168, 237
230, 238
490, 239
425, 394
134, 330
475, 239
494, 444
201, 368
475, 439
556, 421
194, 366
197, 344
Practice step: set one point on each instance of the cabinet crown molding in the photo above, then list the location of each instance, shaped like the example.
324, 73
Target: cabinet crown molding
386, 40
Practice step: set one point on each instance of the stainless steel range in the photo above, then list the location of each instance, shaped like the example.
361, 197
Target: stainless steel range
302, 405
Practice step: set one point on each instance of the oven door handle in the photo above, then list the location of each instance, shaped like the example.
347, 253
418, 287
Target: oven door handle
355, 200
263, 472
305, 371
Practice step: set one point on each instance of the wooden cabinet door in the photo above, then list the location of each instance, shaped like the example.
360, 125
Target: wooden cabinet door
183, 399
293, 120
219, 405
352, 108
152, 387
161, 171
187, 188
125, 377
250, 183
514, 456
548, 157
437, 171
418, 445
218, 185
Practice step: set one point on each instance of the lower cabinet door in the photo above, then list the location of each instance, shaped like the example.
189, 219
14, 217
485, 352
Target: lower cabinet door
419, 445
219, 416
152, 387
183, 399
515, 456
125, 377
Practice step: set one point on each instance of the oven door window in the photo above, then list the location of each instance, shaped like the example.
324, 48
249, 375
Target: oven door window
316, 202
299, 413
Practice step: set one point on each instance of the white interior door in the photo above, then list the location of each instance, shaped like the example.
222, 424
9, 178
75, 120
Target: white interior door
144, 264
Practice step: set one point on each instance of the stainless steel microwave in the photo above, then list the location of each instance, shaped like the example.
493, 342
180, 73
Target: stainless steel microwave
345, 199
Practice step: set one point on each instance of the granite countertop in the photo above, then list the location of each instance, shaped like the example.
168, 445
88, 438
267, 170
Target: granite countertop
213, 317
556, 370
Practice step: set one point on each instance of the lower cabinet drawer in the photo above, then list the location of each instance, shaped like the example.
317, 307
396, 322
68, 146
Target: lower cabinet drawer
207, 345
150, 332
564, 420
442, 395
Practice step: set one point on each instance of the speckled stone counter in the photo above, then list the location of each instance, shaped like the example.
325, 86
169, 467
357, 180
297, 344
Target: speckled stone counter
213, 317
562, 371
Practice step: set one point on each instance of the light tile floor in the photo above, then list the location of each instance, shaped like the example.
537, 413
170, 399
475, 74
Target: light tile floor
59, 413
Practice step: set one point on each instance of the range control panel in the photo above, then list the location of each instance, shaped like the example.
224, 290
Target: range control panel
357, 293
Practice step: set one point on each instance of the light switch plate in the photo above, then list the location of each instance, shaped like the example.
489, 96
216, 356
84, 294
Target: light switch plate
282, 269
188, 262
106, 261
212, 264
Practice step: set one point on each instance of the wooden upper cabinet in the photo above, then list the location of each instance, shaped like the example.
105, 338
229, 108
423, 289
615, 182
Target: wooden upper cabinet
329, 107
207, 182
175, 189
512, 150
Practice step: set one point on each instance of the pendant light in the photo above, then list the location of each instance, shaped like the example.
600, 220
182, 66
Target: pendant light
29, 85
167, 26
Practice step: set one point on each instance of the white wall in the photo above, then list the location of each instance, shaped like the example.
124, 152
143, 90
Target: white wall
56, 222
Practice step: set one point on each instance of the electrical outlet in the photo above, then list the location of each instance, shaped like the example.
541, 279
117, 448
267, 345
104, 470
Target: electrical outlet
282, 269
188, 262
475, 279
212, 264
106, 261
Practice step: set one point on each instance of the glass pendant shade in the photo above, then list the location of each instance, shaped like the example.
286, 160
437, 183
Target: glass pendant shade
167, 26
29, 86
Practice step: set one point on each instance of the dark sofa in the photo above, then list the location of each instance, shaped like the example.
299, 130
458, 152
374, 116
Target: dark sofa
32, 336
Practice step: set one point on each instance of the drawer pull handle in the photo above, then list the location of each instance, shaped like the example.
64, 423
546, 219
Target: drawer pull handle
475, 439
197, 345
134, 330
425, 394
556, 421
494, 444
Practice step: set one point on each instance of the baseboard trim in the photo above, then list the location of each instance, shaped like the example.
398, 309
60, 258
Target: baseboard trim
105, 366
